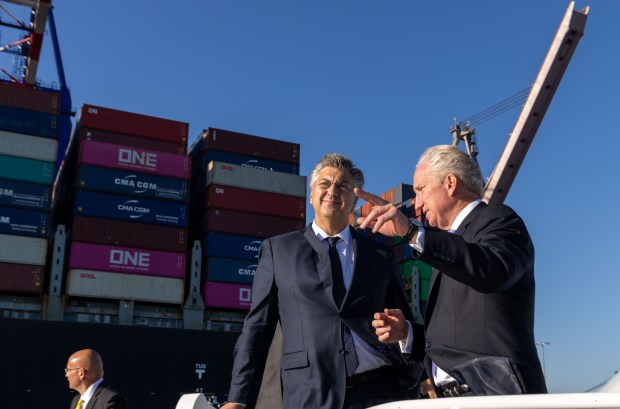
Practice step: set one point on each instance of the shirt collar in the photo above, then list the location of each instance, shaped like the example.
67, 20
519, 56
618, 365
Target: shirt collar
463, 214
89, 392
345, 234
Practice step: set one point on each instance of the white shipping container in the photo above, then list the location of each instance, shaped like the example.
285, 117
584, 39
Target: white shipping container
99, 284
227, 174
28, 146
23, 250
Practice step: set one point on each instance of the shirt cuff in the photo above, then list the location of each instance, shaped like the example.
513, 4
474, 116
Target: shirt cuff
407, 347
419, 241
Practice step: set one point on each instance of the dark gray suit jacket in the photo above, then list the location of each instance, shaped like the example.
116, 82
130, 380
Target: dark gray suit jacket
103, 397
480, 313
293, 285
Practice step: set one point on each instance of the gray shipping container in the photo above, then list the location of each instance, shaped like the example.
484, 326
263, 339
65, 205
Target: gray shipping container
23, 250
28, 146
99, 284
227, 174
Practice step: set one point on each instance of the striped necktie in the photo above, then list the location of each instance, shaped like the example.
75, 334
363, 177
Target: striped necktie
339, 290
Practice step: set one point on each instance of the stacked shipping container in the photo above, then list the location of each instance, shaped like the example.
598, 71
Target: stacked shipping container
29, 120
123, 193
416, 274
244, 188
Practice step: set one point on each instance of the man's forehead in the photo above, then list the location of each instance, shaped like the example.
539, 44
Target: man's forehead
330, 173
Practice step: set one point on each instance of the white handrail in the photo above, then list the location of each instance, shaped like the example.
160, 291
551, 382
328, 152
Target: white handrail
547, 401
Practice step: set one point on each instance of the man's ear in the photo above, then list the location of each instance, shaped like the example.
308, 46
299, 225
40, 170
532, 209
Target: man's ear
451, 182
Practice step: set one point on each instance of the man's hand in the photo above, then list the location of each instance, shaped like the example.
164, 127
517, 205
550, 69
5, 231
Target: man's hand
232, 405
390, 326
384, 217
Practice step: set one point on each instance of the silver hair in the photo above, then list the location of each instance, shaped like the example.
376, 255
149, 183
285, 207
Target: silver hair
338, 161
446, 159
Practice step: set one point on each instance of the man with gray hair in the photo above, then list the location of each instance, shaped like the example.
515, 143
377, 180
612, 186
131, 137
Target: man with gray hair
325, 284
479, 323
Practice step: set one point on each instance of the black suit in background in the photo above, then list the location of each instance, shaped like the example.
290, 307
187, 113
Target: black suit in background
293, 285
480, 313
103, 397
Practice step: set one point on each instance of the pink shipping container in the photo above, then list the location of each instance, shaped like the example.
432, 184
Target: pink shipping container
128, 234
126, 260
244, 144
145, 126
253, 201
135, 159
225, 295
128, 140
101, 284
29, 98
248, 224
21, 278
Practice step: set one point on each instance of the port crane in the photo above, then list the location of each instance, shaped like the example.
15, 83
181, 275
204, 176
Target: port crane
541, 93
29, 47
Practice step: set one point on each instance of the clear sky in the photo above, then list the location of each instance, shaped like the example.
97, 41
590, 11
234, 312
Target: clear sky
380, 81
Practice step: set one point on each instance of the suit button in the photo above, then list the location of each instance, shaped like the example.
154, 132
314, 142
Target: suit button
427, 345
341, 352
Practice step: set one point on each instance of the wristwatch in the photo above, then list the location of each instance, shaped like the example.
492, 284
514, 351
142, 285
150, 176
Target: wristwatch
414, 226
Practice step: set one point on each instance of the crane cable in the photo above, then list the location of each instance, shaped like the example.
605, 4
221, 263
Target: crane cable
503, 106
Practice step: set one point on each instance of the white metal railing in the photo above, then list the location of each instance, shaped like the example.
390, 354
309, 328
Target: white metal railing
548, 401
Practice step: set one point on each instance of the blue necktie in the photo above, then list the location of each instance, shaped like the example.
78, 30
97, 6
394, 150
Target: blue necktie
338, 290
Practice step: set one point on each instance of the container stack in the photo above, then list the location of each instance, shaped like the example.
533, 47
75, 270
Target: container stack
416, 274
29, 121
244, 189
123, 194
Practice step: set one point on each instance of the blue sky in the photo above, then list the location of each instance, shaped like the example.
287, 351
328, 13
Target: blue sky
379, 82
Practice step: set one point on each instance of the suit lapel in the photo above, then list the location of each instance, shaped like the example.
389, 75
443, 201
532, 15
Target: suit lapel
363, 260
436, 277
93, 399
323, 265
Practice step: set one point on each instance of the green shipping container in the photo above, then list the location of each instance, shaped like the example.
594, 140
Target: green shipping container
424, 270
29, 170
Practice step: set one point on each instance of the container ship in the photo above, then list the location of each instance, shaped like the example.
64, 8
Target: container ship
116, 235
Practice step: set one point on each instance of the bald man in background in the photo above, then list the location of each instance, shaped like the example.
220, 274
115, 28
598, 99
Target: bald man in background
84, 372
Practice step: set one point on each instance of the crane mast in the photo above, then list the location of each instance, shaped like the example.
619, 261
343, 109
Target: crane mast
562, 48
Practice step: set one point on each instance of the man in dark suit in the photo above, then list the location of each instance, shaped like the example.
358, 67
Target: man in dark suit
480, 313
300, 282
84, 372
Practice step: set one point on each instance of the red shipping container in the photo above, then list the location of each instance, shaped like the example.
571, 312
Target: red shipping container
21, 278
130, 123
29, 98
247, 224
128, 140
224, 295
254, 201
128, 234
244, 144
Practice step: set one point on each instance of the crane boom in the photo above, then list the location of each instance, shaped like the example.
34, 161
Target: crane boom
562, 48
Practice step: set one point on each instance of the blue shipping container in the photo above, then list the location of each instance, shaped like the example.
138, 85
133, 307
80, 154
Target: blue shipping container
132, 183
22, 194
22, 222
29, 122
130, 209
200, 165
231, 246
230, 270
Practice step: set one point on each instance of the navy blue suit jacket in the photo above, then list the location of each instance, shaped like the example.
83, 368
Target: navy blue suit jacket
293, 285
